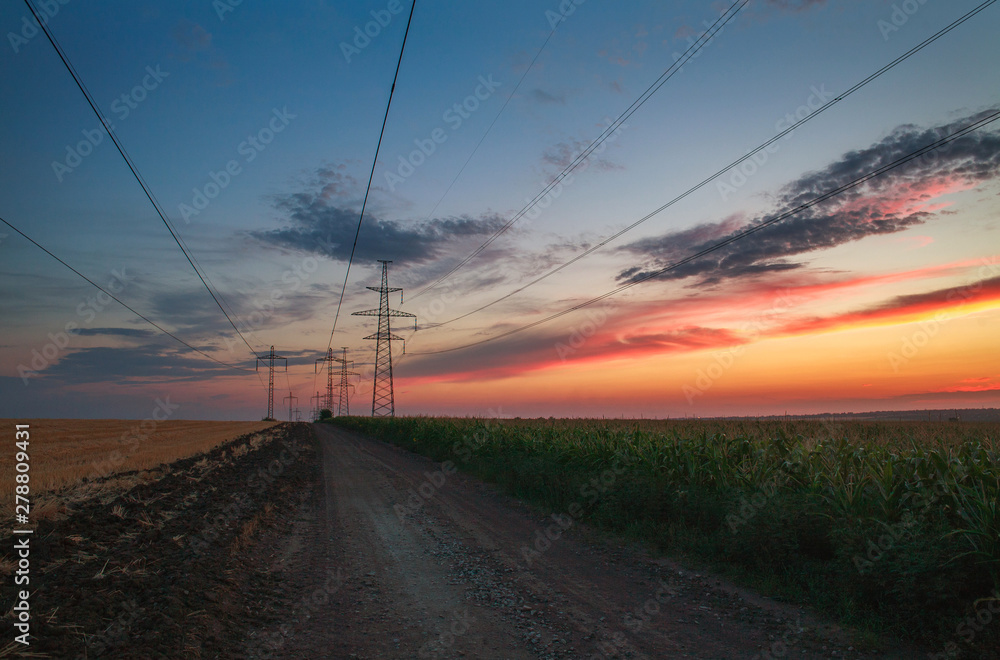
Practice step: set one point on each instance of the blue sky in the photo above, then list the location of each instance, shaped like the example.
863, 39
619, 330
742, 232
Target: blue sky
223, 77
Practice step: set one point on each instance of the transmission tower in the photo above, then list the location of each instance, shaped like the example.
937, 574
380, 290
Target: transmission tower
343, 403
383, 403
329, 359
290, 399
269, 359
319, 404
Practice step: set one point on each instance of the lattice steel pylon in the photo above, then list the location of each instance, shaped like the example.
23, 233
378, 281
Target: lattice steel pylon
383, 401
290, 398
329, 359
270, 358
343, 403
319, 404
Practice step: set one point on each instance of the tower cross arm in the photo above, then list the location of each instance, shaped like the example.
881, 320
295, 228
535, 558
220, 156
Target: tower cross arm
389, 336
391, 312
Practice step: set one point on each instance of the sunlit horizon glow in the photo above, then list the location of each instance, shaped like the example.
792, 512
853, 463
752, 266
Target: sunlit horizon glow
885, 297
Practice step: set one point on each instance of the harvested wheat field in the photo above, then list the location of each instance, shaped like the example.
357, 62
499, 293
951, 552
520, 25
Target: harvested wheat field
73, 457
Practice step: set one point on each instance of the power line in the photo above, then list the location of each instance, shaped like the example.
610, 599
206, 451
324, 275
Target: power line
733, 164
128, 161
116, 299
692, 50
979, 123
368, 188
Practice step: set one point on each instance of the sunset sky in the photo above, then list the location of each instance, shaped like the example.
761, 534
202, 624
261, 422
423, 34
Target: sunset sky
254, 124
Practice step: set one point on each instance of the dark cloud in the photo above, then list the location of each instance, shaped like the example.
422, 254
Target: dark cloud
938, 301
884, 205
191, 314
115, 332
989, 287
794, 6
320, 223
562, 154
138, 364
541, 96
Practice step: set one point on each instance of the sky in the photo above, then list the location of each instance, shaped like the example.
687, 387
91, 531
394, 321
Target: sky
254, 125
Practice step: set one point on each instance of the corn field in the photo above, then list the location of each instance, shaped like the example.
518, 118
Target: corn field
892, 526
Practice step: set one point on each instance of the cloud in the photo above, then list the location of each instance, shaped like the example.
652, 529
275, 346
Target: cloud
562, 154
901, 308
541, 96
115, 332
194, 43
322, 219
147, 363
794, 6
317, 227
191, 38
903, 198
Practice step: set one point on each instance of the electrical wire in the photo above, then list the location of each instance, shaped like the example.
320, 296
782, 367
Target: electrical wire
118, 300
132, 167
371, 175
979, 123
735, 163
692, 50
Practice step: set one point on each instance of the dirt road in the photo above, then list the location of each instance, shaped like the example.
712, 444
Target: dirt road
401, 560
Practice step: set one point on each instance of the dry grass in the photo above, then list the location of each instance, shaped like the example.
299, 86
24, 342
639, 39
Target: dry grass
65, 452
